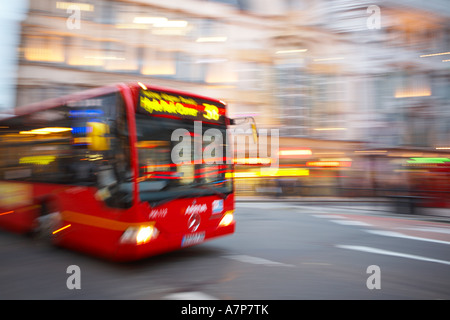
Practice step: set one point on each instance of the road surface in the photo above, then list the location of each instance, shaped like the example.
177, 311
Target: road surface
280, 251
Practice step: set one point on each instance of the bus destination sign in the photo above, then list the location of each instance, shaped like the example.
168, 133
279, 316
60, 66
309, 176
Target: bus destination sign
161, 103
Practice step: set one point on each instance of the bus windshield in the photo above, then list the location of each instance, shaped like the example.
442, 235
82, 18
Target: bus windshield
202, 171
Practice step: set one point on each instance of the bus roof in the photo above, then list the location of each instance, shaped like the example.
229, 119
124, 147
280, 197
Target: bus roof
51, 103
90, 93
138, 85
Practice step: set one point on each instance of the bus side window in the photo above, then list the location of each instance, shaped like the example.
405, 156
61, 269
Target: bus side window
97, 136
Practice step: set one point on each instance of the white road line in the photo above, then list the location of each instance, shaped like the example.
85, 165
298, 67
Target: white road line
391, 253
350, 223
316, 263
404, 236
256, 260
328, 216
191, 295
429, 229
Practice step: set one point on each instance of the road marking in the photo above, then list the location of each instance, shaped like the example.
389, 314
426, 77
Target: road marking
391, 253
256, 260
191, 295
350, 222
429, 229
404, 236
317, 263
341, 220
328, 216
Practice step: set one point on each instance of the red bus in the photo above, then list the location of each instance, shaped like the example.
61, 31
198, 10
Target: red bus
95, 171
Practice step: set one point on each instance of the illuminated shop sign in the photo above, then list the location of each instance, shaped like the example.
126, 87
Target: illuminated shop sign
160, 103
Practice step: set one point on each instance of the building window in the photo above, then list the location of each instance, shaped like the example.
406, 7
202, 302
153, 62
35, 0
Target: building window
221, 73
44, 49
84, 52
158, 63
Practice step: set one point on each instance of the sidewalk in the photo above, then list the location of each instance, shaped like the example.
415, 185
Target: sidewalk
378, 204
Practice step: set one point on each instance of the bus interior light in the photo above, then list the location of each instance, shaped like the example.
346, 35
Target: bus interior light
48, 130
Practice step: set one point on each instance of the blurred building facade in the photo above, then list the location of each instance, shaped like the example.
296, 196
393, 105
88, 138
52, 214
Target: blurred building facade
373, 73
334, 76
194, 45
311, 68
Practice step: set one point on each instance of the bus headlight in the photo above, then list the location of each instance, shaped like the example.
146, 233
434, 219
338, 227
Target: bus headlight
227, 219
139, 235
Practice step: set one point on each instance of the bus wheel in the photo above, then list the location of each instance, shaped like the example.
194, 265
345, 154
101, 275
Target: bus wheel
47, 222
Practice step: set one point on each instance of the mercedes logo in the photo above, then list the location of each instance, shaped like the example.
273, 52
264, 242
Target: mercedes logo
194, 222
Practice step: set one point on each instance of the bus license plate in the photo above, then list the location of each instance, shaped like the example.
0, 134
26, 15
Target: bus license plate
193, 238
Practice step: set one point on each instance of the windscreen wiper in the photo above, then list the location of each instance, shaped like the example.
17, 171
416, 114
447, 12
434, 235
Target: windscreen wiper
163, 201
188, 195
210, 188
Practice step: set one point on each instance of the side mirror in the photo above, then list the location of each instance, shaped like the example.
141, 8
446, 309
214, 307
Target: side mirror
244, 120
254, 132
